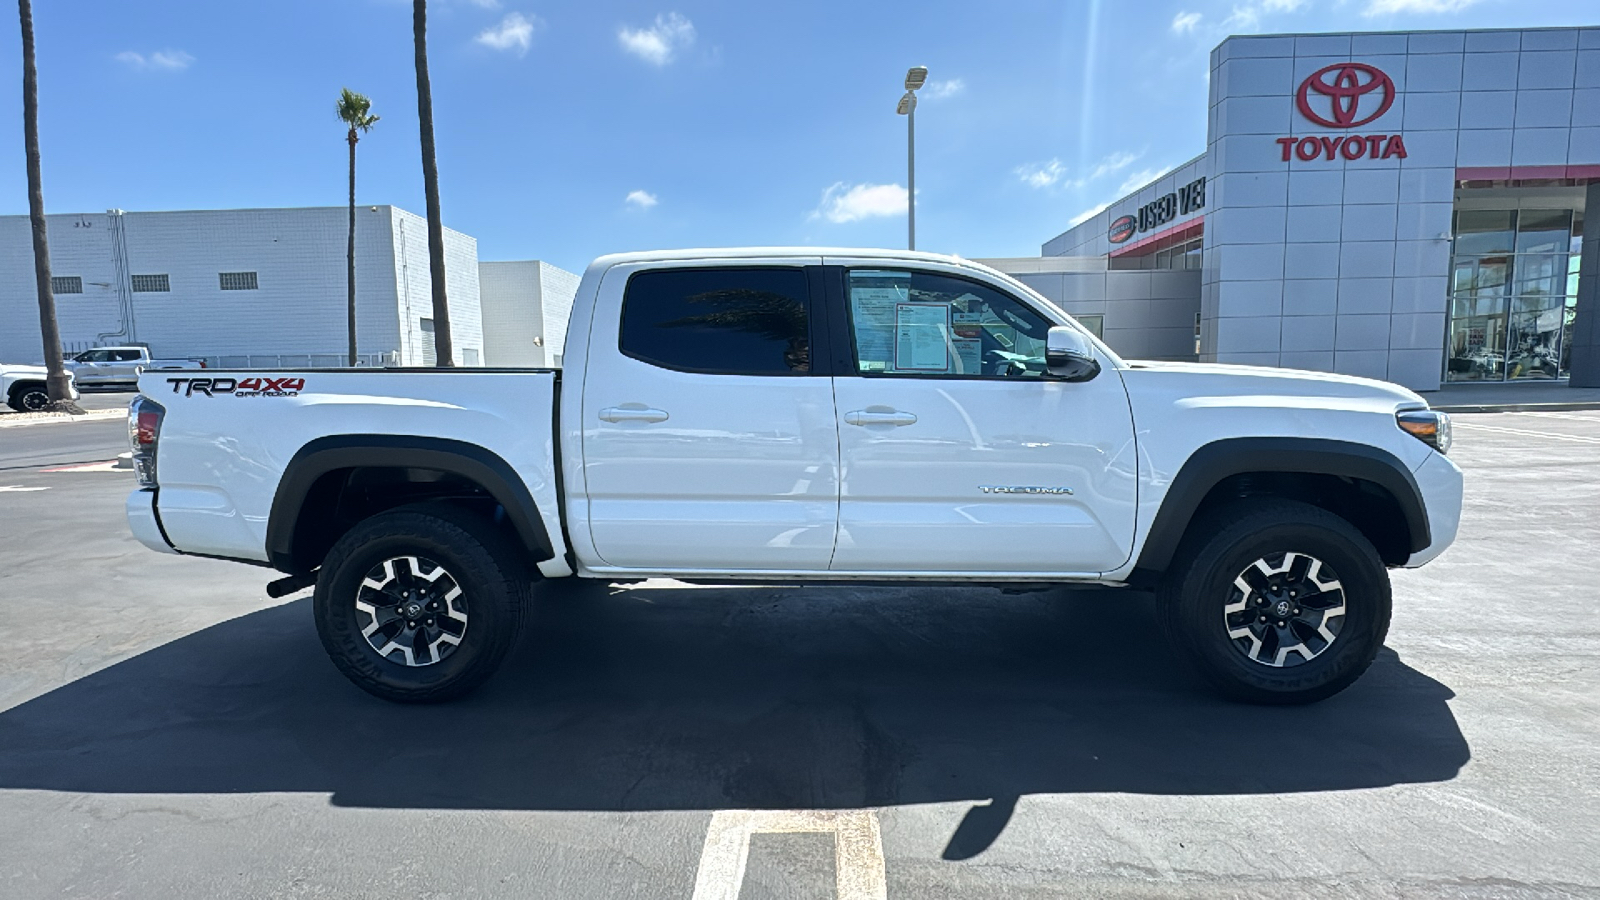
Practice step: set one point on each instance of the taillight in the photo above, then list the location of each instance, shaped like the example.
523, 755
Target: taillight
144, 433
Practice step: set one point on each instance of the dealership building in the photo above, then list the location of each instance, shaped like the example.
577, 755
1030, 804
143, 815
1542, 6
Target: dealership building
268, 288
1404, 206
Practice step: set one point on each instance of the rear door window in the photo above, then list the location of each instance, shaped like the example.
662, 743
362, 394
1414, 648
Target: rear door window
723, 321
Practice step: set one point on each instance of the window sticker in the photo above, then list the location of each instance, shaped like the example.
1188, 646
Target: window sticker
969, 355
873, 297
922, 334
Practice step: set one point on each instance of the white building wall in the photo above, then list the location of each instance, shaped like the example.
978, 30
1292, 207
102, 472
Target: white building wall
513, 315
1148, 313
298, 310
415, 288
299, 256
557, 288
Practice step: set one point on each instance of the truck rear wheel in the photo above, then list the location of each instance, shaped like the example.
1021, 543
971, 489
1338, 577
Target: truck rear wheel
421, 604
1277, 602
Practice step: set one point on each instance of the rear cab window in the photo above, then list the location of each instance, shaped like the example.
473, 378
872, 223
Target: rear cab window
721, 321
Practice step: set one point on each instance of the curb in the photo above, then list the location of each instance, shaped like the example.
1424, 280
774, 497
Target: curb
21, 420
1573, 406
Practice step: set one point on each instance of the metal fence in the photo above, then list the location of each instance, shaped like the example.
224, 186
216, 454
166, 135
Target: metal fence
300, 360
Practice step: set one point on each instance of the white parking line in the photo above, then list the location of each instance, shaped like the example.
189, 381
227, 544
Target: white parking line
1574, 438
857, 846
19, 489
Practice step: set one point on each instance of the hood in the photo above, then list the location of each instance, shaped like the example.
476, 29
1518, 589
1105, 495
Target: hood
8, 370
1211, 379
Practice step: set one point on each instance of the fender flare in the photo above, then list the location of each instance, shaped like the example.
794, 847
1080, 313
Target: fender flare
347, 451
1208, 465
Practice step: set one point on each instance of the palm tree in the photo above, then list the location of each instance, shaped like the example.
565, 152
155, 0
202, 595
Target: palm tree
56, 380
444, 349
355, 111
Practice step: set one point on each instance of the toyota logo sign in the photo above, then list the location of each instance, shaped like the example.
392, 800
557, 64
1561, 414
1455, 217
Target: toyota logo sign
1344, 89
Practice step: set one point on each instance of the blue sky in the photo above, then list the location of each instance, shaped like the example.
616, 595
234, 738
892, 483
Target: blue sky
567, 130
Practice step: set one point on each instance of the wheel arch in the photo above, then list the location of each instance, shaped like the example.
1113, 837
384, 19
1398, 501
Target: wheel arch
1311, 469
319, 473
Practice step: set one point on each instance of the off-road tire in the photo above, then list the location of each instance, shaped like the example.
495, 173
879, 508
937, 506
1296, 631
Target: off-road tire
495, 585
1200, 584
29, 398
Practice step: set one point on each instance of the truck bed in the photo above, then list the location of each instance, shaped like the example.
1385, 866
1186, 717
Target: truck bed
230, 435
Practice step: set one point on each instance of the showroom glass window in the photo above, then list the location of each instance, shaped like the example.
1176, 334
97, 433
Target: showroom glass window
724, 321
1513, 291
927, 324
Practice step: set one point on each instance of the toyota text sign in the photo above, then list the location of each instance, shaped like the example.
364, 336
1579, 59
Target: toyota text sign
1344, 95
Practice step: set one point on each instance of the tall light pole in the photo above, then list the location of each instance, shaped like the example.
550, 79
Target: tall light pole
916, 76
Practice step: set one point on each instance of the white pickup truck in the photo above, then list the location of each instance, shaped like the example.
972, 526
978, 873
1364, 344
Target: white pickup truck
121, 365
788, 415
24, 387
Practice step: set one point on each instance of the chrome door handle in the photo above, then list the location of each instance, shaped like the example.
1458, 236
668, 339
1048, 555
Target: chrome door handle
879, 417
632, 413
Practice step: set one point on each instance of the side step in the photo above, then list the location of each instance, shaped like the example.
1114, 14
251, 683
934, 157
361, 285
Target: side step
283, 587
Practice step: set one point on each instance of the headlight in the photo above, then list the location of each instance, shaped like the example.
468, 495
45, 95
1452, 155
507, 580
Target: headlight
1426, 425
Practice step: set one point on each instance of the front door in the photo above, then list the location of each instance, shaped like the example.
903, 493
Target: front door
959, 454
709, 440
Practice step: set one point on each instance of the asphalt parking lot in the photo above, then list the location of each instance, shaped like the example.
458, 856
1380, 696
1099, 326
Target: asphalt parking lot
167, 731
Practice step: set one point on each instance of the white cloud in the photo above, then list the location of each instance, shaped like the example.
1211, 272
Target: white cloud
1054, 173
849, 203
641, 199
515, 32
1086, 215
1116, 162
1247, 16
1139, 179
1041, 175
161, 60
659, 43
938, 90
1389, 7
1184, 22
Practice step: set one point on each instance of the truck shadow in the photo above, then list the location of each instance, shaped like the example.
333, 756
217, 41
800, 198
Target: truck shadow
663, 698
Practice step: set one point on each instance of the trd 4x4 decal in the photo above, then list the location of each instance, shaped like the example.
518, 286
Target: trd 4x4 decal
264, 386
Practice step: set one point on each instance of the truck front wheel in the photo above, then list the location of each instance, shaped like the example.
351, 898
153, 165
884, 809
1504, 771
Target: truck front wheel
1277, 602
420, 604
29, 397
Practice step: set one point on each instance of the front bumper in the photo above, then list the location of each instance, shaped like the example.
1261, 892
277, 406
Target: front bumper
143, 522
1441, 484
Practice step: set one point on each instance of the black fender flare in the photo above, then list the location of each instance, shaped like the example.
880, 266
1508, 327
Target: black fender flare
1213, 462
347, 451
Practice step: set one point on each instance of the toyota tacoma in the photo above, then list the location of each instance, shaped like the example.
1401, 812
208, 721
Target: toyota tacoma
784, 415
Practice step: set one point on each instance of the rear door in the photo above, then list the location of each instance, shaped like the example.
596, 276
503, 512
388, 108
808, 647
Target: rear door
960, 456
709, 440
125, 365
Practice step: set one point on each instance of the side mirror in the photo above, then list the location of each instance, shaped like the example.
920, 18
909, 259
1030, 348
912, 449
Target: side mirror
1068, 355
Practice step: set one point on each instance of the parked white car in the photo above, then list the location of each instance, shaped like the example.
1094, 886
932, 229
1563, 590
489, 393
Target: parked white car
783, 415
121, 365
24, 388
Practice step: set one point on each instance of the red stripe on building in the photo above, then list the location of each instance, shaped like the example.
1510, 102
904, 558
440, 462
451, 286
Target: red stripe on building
1161, 240
1526, 173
